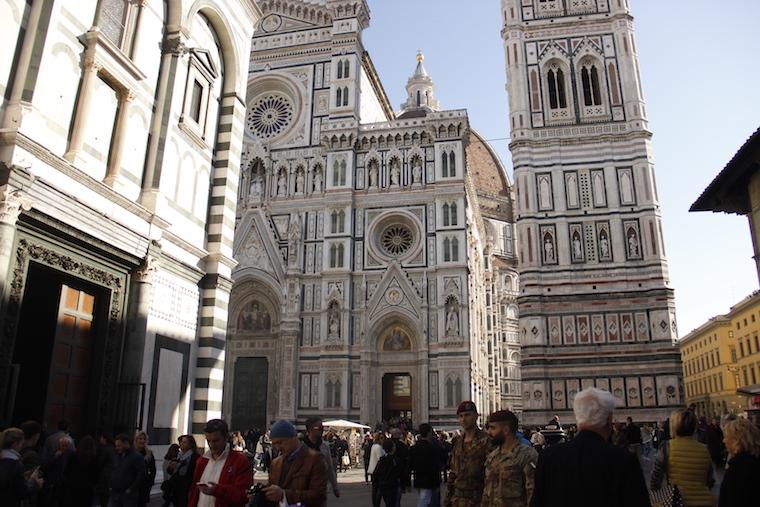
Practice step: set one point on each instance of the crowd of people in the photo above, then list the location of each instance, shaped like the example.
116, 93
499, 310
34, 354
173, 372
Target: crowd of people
595, 462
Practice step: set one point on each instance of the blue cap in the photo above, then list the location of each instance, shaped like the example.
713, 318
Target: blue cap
283, 429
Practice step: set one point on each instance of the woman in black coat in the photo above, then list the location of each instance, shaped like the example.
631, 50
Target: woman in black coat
181, 480
141, 446
742, 440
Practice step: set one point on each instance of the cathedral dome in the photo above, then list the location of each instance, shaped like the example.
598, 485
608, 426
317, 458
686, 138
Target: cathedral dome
485, 168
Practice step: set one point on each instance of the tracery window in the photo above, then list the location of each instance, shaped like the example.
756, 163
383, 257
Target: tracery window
117, 21
444, 165
557, 93
345, 95
337, 255
338, 221
338, 97
592, 95
339, 173
452, 165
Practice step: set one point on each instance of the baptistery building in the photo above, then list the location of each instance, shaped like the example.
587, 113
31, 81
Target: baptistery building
376, 271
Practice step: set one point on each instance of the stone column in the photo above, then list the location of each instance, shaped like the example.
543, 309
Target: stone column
12, 202
119, 134
82, 113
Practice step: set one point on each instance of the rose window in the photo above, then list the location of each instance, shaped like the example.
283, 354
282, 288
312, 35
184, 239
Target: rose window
396, 240
270, 116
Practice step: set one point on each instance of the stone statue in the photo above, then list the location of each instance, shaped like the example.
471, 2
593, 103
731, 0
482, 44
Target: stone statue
294, 239
255, 189
452, 320
395, 174
372, 175
282, 184
604, 246
299, 181
416, 174
317, 181
548, 250
333, 323
633, 245
577, 250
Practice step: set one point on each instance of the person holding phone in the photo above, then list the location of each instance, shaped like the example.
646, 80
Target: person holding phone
222, 476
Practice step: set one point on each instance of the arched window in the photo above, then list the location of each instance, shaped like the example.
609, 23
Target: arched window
338, 97
341, 221
446, 215
557, 94
334, 222
336, 174
345, 95
444, 165
452, 164
449, 392
457, 391
446, 250
333, 256
454, 250
342, 172
592, 95
341, 255
346, 69
453, 212
340, 70
419, 98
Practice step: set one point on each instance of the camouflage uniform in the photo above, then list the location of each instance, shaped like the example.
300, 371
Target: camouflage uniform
464, 487
510, 477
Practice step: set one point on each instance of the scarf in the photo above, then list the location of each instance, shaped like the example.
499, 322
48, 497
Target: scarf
316, 446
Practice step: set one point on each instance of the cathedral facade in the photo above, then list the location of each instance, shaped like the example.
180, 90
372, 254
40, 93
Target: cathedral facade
596, 307
376, 276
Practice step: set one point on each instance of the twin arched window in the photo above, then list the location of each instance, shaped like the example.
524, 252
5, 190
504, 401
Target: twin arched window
344, 69
341, 96
448, 164
557, 92
453, 392
339, 173
337, 221
592, 94
337, 255
450, 214
450, 250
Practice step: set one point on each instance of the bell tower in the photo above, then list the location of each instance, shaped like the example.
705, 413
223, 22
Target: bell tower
596, 306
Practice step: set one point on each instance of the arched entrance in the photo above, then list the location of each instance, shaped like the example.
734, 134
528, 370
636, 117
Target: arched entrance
397, 397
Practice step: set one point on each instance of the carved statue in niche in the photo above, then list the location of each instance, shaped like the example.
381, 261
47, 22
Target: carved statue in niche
416, 171
548, 248
604, 244
317, 181
254, 318
294, 239
372, 174
256, 182
633, 244
333, 322
577, 246
395, 173
300, 181
452, 317
282, 183
397, 340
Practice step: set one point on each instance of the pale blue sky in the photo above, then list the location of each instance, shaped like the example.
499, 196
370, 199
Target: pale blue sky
699, 63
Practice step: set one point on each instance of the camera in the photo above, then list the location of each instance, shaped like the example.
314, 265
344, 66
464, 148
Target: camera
256, 492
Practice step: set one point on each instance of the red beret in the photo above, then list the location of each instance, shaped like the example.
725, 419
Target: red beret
467, 406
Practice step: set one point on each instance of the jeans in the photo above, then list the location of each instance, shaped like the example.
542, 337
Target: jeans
429, 498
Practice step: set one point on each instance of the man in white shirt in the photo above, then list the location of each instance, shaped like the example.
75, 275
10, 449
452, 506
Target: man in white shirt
376, 453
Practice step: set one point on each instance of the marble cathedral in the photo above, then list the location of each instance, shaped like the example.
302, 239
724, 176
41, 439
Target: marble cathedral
596, 306
376, 272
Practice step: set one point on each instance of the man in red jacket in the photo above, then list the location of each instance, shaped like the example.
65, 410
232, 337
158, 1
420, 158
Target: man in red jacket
222, 476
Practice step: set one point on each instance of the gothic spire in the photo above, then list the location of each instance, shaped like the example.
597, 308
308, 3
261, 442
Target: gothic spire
420, 91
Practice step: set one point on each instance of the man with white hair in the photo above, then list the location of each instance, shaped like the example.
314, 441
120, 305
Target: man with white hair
590, 471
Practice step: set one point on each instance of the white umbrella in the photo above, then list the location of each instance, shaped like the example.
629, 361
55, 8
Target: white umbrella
341, 423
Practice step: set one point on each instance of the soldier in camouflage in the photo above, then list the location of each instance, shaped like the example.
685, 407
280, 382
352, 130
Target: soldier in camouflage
510, 467
468, 457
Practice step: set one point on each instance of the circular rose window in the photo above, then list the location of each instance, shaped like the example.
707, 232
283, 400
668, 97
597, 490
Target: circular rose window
396, 240
270, 115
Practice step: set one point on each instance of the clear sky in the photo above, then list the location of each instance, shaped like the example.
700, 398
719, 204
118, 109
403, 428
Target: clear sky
699, 63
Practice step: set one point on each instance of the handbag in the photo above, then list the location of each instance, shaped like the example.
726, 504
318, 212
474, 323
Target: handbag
345, 459
668, 494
